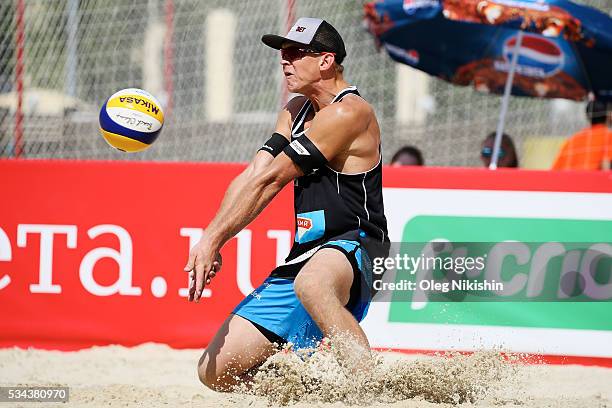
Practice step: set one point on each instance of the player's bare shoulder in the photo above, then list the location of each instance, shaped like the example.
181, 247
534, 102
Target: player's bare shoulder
352, 112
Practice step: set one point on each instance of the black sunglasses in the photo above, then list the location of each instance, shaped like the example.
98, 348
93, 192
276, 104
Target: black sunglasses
488, 152
294, 53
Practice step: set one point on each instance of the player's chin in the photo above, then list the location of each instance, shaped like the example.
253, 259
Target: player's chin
292, 85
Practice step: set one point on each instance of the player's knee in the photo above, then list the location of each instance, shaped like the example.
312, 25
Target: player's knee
205, 374
308, 288
210, 376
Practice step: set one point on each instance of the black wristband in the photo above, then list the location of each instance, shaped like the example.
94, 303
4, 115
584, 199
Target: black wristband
305, 154
275, 144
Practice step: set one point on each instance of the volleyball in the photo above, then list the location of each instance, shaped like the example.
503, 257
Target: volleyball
131, 119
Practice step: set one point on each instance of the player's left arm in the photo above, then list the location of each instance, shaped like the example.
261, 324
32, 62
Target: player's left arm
332, 130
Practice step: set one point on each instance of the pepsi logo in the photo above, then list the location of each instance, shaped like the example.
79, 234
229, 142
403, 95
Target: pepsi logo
413, 56
538, 56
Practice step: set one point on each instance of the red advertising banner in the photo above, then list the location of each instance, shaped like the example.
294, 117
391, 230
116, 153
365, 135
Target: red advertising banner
92, 253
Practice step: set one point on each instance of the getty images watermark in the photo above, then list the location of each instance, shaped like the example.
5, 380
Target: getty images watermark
493, 271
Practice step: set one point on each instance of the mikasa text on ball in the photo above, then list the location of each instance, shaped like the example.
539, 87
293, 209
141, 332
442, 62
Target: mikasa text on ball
131, 119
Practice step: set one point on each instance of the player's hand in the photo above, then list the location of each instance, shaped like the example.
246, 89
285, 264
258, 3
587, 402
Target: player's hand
203, 265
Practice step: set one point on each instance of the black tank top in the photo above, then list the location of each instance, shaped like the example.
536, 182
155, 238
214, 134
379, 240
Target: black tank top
329, 203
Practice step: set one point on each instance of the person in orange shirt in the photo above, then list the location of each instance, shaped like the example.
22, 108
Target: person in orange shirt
591, 148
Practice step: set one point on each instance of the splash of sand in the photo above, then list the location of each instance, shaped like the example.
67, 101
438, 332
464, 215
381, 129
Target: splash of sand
319, 375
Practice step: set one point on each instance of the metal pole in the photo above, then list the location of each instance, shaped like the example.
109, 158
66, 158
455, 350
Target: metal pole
19, 39
505, 100
71, 47
169, 58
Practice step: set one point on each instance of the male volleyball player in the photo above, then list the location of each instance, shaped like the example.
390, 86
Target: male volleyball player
328, 142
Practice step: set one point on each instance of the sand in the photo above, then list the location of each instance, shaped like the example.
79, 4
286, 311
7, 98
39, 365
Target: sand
153, 375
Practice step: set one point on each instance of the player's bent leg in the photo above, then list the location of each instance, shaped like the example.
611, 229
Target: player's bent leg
323, 287
237, 347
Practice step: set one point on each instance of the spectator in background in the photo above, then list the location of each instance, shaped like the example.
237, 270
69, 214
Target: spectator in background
407, 156
591, 148
507, 153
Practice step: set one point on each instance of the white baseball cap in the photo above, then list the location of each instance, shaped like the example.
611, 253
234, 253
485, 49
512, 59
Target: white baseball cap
314, 33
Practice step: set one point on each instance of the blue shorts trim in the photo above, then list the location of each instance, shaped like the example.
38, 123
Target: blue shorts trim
275, 306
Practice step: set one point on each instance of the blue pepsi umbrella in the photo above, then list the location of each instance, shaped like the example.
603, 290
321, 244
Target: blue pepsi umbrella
537, 48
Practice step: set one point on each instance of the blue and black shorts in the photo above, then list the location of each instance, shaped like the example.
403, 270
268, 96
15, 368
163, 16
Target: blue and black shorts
277, 312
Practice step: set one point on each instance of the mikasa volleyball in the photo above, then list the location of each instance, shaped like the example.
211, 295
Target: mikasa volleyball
131, 119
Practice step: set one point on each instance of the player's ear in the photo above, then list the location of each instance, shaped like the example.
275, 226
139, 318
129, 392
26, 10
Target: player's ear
327, 61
